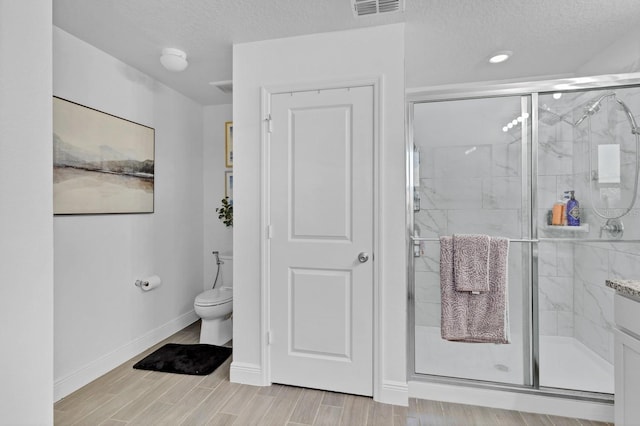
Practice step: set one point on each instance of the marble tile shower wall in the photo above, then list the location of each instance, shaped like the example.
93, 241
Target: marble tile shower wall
596, 262
555, 260
465, 189
609, 126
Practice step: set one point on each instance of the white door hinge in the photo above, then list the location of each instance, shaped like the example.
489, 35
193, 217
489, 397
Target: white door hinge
269, 232
269, 123
268, 337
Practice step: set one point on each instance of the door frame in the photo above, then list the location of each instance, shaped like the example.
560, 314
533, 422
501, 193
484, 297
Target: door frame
266, 92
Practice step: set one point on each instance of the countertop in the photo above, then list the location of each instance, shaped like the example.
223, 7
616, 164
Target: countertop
626, 287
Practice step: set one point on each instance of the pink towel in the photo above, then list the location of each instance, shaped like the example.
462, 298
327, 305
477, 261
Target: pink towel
471, 317
471, 262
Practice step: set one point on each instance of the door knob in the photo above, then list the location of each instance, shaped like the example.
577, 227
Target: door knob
363, 257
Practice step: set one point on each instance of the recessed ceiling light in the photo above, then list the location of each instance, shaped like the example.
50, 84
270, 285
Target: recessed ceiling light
500, 57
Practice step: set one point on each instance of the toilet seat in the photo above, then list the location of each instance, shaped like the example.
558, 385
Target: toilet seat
214, 297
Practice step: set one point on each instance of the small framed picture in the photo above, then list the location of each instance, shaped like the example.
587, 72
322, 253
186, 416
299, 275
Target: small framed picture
228, 184
228, 143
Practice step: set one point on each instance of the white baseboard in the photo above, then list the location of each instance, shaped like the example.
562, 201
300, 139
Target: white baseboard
247, 374
91, 371
396, 393
513, 401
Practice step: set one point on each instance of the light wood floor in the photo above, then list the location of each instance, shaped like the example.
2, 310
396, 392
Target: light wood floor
125, 396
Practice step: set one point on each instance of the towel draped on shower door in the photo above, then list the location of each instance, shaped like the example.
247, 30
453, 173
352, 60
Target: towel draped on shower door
471, 262
481, 314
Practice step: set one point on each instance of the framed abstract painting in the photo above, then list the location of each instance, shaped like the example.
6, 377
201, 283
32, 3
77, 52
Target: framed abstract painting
102, 164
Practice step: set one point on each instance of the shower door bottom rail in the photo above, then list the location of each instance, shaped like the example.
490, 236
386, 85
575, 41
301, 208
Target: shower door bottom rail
580, 395
542, 240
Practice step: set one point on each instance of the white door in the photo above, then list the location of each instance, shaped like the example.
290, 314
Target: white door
321, 260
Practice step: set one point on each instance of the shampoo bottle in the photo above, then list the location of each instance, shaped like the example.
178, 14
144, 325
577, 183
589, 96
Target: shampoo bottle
573, 211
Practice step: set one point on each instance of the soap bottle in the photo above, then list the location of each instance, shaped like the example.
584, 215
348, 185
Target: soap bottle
573, 211
558, 213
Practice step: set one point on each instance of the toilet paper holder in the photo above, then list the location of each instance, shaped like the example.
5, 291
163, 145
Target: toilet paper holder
148, 283
140, 283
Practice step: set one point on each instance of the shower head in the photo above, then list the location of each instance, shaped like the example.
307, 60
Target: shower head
594, 106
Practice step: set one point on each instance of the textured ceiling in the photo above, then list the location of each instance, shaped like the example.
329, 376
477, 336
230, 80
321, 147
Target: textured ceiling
448, 41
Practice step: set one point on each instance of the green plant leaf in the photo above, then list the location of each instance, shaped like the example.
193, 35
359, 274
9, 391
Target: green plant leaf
225, 212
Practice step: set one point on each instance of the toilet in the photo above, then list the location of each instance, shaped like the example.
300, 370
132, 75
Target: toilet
214, 306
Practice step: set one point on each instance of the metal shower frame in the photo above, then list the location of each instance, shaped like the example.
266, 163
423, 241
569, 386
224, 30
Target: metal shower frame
529, 92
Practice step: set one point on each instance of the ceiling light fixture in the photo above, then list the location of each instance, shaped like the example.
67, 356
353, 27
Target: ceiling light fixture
500, 56
174, 59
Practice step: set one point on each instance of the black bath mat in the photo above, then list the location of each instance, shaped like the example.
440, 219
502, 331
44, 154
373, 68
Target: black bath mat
199, 359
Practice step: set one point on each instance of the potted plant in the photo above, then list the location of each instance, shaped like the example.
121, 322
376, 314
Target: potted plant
225, 212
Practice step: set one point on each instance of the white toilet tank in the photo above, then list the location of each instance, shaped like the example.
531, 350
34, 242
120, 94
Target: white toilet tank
226, 269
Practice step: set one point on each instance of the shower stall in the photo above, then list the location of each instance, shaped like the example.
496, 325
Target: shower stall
494, 161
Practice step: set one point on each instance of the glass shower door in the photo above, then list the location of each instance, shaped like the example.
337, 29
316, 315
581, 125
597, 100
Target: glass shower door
472, 178
586, 144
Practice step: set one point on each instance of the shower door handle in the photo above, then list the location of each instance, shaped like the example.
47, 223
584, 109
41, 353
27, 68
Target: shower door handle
363, 257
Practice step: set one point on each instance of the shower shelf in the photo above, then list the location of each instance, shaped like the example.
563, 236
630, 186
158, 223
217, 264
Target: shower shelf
567, 229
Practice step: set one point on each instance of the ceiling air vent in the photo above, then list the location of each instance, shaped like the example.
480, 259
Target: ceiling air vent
224, 86
375, 7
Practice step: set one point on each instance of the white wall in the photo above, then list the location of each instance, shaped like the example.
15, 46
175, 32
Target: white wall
101, 318
372, 52
26, 230
217, 236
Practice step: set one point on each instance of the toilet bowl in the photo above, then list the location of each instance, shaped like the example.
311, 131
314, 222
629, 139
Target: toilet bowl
214, 307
